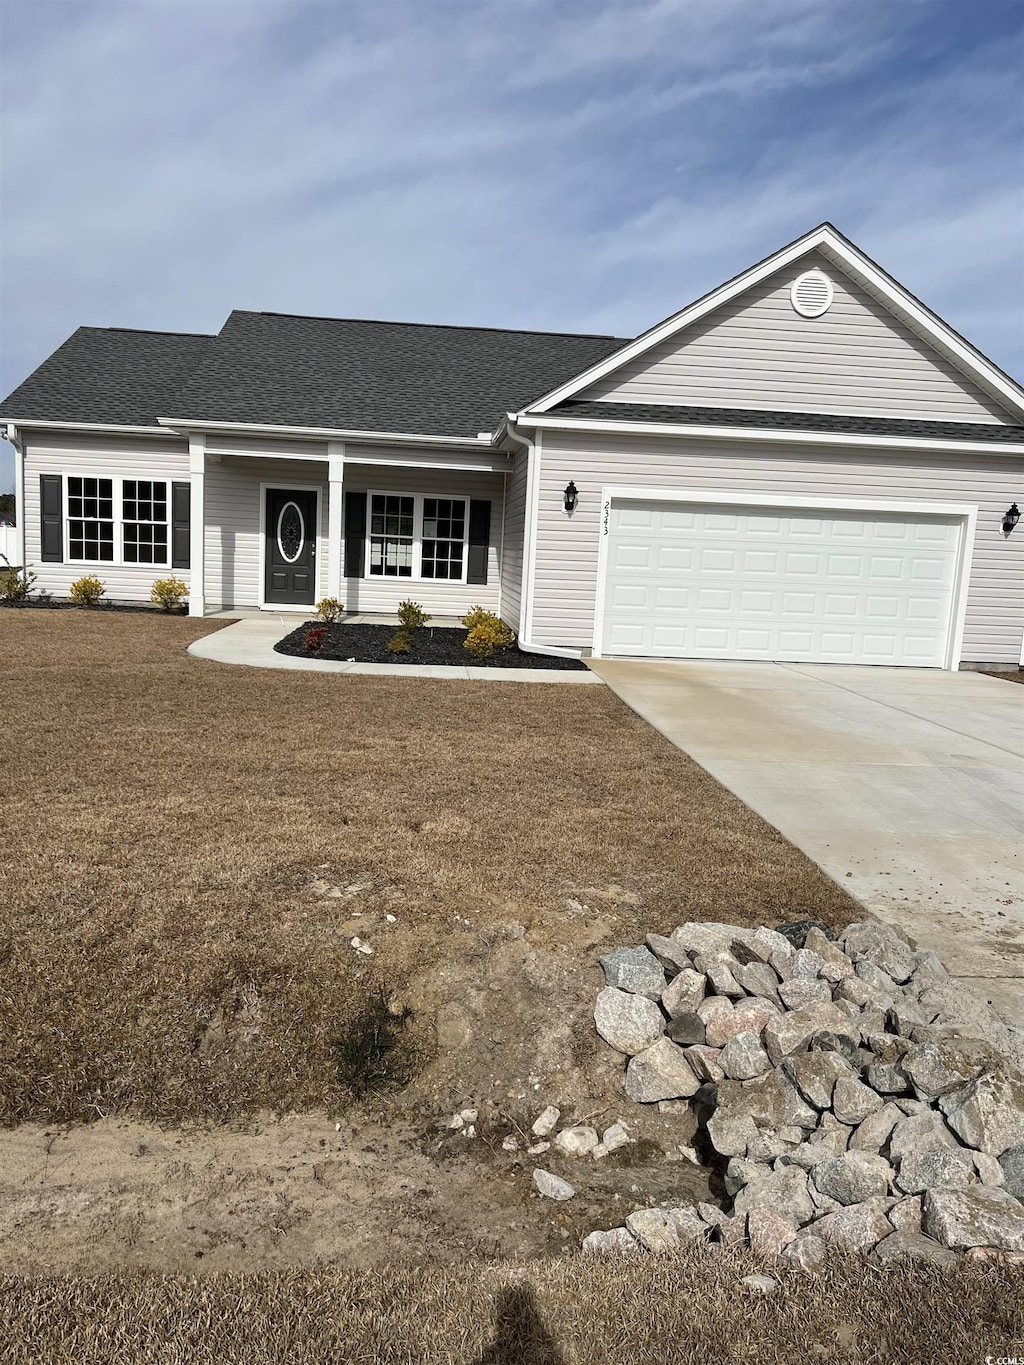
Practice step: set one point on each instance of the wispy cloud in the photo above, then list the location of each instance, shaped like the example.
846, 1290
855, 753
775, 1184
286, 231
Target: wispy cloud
553, 163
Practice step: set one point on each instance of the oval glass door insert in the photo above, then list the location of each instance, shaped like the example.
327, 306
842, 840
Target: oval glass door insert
291, 532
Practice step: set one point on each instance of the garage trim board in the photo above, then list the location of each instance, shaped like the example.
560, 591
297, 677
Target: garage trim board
963, 514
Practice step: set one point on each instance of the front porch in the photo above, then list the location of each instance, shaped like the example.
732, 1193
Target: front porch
276, 526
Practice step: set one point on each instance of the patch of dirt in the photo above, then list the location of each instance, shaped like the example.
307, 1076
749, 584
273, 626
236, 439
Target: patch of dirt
501, 1020
294, 1192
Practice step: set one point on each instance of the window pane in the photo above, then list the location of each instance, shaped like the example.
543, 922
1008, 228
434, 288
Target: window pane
144, 500
145, 543
391, 534
91, 540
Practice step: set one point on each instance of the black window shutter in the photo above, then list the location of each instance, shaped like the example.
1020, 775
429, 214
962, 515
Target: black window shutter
181, 525
479, 541
355, 535
51, 518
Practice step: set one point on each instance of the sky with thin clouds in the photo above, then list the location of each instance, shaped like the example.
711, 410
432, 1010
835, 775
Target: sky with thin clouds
568, 165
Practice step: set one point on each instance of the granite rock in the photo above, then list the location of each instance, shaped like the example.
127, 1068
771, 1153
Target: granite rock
660, 1072
636, 970
630, 1023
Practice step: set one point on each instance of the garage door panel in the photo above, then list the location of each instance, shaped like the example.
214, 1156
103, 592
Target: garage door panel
787, 585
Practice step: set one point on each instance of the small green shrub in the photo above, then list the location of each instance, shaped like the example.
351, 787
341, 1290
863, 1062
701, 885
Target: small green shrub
87, 591
168, 593
371, 1055
486, 633
412, 615
477, 616
401, 641
329, 609
16, 582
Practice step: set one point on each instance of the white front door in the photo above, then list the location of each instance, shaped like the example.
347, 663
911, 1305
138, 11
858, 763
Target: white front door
706, 581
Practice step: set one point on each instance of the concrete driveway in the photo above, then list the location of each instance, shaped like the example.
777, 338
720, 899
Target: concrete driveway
905, 785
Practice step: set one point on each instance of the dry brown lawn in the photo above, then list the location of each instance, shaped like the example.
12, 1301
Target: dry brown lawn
163, 817
685, 1311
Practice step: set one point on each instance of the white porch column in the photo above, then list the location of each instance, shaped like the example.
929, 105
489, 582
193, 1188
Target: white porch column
16, 439
335, 517
197, 526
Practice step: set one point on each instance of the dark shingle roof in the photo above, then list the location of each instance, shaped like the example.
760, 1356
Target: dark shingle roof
281, 370
110, 375
789, 421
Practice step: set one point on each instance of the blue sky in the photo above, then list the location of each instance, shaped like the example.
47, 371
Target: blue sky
573, 166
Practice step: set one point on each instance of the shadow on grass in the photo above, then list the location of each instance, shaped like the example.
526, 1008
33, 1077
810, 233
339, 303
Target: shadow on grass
520, 1337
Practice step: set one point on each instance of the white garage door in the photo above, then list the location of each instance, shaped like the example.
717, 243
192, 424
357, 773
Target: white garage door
701, 581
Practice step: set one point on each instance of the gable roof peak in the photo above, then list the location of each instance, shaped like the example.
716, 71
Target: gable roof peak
847, 256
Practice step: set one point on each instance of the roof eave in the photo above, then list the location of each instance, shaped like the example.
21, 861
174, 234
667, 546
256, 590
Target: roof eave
186, 424
124, 428
769, 434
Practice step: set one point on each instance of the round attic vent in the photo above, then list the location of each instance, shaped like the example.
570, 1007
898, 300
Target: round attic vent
811, 294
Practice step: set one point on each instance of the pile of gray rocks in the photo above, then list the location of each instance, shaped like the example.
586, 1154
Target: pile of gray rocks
850, 1090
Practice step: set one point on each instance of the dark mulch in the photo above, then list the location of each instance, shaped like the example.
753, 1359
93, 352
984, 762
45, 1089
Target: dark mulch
1014, 675
430, 645
62, 604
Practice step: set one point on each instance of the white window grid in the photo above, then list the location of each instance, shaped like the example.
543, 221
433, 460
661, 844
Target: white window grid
418, 538
146, 527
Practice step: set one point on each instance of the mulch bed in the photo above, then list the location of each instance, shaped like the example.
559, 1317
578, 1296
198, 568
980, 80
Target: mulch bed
430, 645
62, 604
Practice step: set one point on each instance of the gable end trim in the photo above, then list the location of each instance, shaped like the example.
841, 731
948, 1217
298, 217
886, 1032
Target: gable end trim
865, 271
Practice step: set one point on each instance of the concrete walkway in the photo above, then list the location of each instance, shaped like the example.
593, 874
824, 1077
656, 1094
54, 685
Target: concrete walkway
905, 785
251, 642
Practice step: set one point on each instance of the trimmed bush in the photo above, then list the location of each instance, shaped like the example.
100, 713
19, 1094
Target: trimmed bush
412, 615
486, 633
329, 609
477, 616
401, 641
16, 582
87, 591
168, 593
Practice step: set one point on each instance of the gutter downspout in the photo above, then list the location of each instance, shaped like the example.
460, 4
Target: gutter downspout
527, 645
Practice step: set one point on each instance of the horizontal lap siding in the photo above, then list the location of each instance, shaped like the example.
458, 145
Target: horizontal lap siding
125, 457
512, 543
758, 352
567, 551
234, 529
234, 523
440, 599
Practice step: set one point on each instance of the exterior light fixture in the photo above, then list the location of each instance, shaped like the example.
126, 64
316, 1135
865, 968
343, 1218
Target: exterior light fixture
572, 493
1010, 517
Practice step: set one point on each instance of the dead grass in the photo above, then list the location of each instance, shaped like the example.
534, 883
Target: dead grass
160, 952
685, 1311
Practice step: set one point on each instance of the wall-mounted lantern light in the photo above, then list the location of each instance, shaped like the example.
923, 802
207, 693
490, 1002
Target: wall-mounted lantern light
571, 496
1010, 517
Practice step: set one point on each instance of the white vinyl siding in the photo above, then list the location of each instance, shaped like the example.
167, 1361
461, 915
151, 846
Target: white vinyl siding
512, 542
234, 530
438, 597
105, 457
235, 524
567, 550
758, 352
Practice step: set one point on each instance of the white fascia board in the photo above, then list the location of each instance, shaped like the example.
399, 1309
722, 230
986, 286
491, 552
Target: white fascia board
967, 358
498, 464
31, 423
775, 435
322, 433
